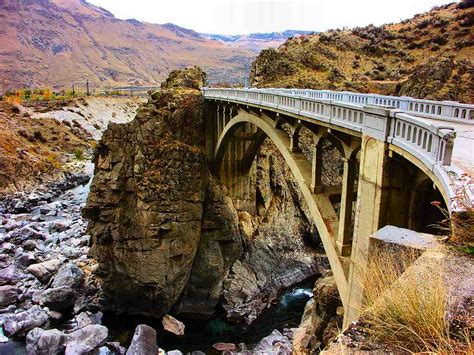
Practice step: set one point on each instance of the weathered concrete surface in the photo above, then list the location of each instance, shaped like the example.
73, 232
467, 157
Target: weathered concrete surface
403, 237
369, 216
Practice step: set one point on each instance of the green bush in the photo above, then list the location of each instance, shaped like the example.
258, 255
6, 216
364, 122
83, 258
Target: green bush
79, 154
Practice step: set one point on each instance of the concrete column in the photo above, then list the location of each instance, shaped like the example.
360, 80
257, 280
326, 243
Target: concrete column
345, 214
294, 140
218, 122
224, 120
316, 170
370, 213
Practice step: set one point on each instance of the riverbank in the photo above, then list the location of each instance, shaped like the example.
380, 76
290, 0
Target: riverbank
44, 251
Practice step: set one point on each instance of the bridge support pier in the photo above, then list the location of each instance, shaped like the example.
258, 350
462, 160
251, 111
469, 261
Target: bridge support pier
369, 218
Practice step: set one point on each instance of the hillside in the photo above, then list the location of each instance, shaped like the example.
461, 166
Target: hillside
57, 42
429, 56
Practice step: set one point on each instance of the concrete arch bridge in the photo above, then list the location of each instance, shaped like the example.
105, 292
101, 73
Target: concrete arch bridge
395, 161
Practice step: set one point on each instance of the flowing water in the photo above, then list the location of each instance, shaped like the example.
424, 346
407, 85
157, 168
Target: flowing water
201, 334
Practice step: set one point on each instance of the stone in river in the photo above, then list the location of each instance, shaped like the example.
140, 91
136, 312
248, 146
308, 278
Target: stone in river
173, 325
224, 346
8, 295
8, 275
21, 323
86, 340
59, 299
45, 342
68, 275
144, 341
43, 271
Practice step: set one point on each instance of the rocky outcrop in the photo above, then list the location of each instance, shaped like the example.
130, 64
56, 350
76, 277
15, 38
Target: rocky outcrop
192, 78
321, 319
220, 246
165, 232
439, 78
150, 192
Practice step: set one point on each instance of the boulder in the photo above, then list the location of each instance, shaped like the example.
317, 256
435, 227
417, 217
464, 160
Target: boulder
45, 342
8, 295
30, 245
143, 342
43, 271
9, 275
59, 299
275, 343
173, 325
116, 348
224, 346
86, 340
25, 233
21, 323
69, 275
321, 318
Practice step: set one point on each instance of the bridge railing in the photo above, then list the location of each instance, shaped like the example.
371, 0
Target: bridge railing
446, 110
431, 144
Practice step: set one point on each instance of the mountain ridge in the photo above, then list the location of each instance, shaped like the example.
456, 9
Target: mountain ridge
58, 43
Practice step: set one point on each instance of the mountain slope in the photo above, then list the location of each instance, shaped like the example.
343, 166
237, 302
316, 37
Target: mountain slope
58, 42
429, 56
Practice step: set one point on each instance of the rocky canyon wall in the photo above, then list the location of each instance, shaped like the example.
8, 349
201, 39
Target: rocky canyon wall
165, 233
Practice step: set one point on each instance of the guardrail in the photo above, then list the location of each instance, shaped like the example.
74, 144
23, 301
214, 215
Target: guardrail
446, 110
431, 144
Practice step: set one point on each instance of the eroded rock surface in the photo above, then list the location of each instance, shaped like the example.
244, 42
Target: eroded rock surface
321, 319
152, 203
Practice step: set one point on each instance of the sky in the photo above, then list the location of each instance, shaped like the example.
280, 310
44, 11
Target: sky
249, 16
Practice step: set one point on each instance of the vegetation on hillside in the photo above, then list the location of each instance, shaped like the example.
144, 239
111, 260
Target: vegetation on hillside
411, 313
32, 149
429, 56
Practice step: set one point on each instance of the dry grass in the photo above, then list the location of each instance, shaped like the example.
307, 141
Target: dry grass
462, 226
405, 313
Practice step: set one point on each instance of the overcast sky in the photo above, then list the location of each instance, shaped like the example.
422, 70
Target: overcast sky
247, 16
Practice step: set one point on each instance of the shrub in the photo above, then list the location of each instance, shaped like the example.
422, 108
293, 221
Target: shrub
37, 135
440, 40
423, 24
79, 154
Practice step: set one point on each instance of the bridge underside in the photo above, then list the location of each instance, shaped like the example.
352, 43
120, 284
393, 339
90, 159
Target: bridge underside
379, 185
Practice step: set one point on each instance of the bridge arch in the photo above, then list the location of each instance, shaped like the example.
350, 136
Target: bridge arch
319, 205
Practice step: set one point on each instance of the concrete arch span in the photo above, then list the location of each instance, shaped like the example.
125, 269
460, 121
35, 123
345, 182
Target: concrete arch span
319, 205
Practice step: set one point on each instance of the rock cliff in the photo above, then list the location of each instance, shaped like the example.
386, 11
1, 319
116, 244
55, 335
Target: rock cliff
165, 232
151, 204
